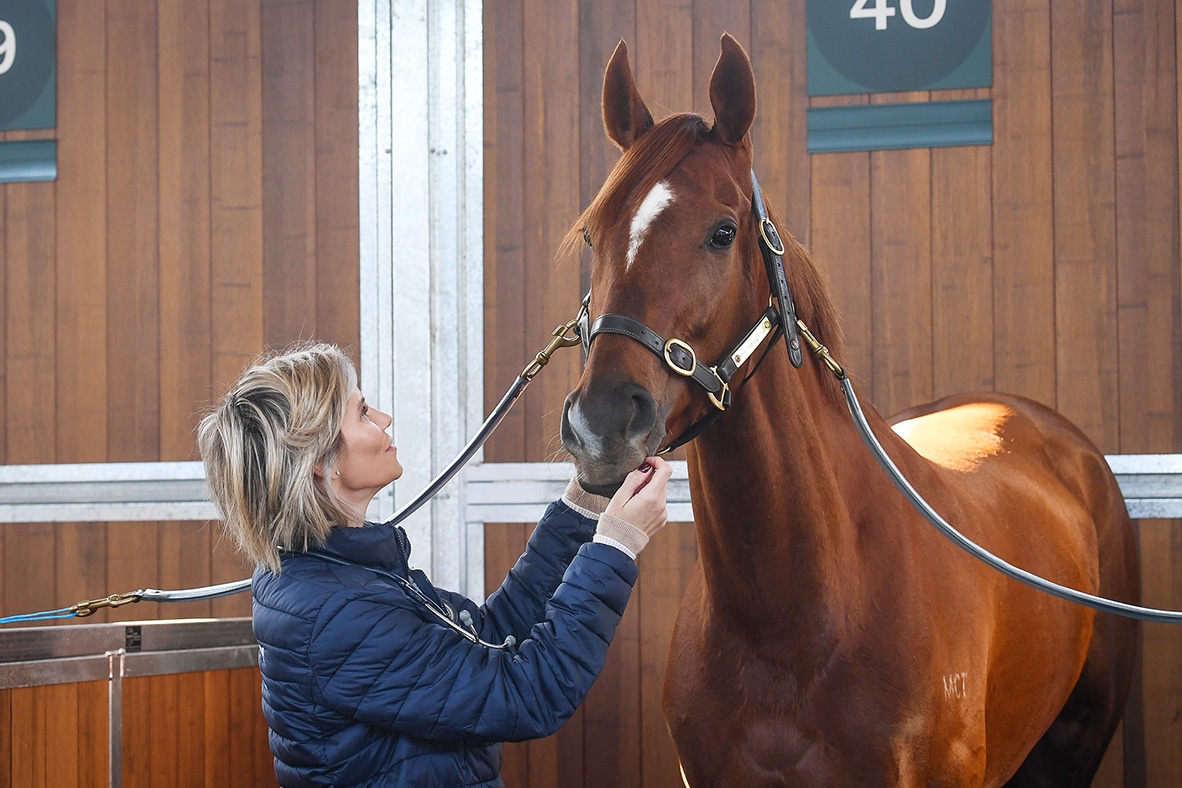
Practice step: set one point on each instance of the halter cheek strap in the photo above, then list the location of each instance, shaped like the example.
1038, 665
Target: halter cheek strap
772, 248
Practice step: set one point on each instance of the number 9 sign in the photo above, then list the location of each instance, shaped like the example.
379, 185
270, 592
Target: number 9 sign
7, 46
868, 46
27, 64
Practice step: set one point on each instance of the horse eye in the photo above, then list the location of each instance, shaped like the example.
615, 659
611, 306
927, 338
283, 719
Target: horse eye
723, 237
587, 238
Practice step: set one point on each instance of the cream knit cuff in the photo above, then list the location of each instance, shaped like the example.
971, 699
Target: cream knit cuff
623, 533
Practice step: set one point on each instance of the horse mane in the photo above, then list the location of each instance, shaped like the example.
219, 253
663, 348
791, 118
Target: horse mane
654, 155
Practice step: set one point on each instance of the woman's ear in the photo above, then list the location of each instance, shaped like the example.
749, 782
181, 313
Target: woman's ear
318, 469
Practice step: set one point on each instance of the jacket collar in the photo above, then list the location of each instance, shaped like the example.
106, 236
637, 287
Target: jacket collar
378, 545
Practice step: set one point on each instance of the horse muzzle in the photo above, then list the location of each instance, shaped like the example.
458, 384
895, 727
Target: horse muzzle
609, 432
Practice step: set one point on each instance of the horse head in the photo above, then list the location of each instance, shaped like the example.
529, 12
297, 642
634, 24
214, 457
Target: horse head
676, 275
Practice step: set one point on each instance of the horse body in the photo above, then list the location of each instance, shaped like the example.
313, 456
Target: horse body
828, 635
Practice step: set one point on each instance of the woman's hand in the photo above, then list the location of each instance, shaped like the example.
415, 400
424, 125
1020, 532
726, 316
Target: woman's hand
640, 501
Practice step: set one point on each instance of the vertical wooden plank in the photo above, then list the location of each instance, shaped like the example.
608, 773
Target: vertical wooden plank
1023, 231
663, 58
712, 18
93, 735
132, 251
236, 224
289, 171
137, 739
250, 758
901, 277
133, 327
1085, 226
6, 735
62, 729
1147, 234
504, 221
602, 25
840, 233
216, 703
780, 59
162, 742
81, 232
30, 393
185, 364
962, 267
28, 717
338, 234
1161, 583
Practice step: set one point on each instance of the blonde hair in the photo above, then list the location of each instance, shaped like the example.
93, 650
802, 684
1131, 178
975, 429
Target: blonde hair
266, 440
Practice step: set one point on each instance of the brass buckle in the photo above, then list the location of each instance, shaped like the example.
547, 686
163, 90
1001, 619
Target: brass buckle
719, 401
765, 225
669, 345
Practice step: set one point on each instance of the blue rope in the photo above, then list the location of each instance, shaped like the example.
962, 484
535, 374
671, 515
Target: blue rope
61, 612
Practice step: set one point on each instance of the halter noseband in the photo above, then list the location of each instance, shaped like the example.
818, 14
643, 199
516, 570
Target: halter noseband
680, 357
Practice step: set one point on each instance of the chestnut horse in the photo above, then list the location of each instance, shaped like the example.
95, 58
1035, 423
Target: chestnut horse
829, 636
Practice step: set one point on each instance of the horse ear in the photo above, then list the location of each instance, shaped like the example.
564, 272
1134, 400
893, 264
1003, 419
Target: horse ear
732, 92
625, 116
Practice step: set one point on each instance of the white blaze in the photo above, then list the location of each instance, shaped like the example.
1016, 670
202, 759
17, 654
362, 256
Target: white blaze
646, 214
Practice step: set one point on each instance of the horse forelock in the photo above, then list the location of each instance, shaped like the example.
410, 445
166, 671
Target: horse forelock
655, 155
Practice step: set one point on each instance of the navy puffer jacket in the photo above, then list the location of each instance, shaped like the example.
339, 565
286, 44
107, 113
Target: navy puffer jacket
362, 685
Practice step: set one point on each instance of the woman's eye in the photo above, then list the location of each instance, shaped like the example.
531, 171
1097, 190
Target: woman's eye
723, 237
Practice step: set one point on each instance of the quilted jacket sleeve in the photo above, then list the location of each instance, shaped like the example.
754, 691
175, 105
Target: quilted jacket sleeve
379, 662
521, 600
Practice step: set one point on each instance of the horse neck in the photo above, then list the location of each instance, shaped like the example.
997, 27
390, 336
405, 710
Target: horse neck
778, 484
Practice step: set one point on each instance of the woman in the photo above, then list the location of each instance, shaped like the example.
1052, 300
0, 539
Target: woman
371, 675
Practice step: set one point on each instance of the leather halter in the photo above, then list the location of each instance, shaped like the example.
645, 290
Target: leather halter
680, 357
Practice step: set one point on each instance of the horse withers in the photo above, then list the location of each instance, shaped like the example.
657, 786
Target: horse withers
828, 636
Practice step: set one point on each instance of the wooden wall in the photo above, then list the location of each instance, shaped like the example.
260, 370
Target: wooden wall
1046, 264
198, 729
205, 208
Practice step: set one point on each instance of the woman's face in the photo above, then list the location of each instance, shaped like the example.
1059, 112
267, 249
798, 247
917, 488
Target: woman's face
368, 458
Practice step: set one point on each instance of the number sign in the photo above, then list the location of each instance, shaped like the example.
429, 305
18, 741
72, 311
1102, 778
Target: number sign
28, 54
872, 46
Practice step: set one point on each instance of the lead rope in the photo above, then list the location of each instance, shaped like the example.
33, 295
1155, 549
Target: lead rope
566, 335
944, 527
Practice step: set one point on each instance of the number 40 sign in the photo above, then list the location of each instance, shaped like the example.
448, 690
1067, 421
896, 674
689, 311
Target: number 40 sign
28, 56
871, 46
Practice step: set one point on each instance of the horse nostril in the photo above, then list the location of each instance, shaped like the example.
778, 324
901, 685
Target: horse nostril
644, 412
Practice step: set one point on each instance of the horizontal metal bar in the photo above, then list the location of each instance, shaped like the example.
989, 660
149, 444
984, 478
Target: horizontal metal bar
28, 160
55, 642
197, 660
45, 672
894, 126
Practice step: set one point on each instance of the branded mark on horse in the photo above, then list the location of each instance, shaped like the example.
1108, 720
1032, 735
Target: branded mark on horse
828, 636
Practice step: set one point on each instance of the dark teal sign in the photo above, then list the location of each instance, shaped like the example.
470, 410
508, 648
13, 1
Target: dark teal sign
28, 64
876, 46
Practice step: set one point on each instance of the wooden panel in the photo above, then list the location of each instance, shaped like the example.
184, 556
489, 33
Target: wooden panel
901, 278
662, 57
1023, 233
338, 233
962, 267
504, 221
93, 743
712, 18
29, 717
289, 171
1161, 554
1085, 229
840, 233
